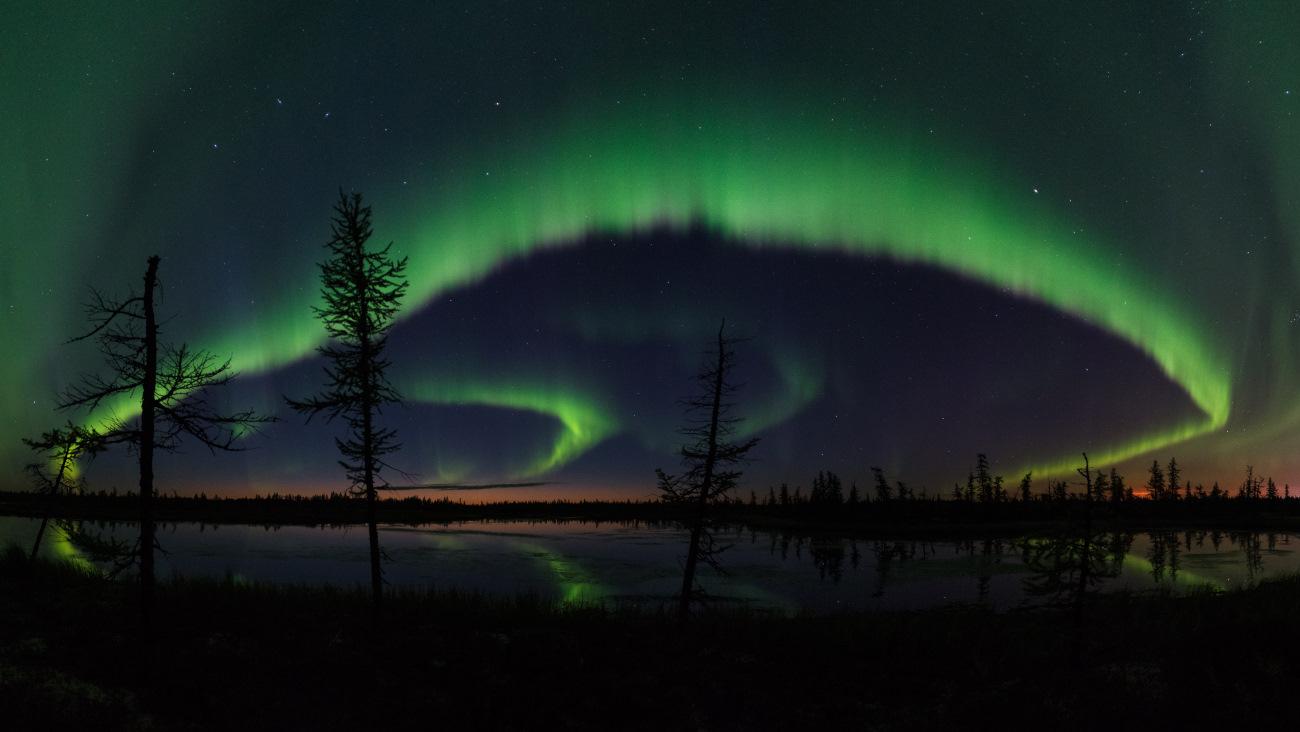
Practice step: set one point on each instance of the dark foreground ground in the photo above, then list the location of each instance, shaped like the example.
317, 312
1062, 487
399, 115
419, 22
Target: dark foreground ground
228, 656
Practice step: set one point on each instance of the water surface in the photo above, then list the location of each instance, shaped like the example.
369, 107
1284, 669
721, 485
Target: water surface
641, 563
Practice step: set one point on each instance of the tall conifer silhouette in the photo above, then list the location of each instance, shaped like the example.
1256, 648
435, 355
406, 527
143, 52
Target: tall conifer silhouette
362, 290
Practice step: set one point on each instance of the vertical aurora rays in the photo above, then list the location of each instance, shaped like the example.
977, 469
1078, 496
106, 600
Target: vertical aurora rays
848, 194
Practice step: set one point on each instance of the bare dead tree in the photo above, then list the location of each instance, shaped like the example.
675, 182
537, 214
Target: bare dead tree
172, 384
708, 461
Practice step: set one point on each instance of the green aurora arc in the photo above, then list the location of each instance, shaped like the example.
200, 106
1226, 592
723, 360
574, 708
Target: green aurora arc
765, 167
860, 197
864, 199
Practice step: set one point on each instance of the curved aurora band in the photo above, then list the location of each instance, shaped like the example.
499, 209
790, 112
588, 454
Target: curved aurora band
772, 187
584, 422
753, 178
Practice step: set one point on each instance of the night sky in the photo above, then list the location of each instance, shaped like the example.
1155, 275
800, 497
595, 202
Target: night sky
1019, 228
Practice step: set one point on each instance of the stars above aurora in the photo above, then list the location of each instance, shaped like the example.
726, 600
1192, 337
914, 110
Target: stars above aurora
486, 140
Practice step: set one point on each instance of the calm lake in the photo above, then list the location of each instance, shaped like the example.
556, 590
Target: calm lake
640, 563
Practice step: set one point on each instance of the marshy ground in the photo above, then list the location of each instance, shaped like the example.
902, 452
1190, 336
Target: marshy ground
228, 655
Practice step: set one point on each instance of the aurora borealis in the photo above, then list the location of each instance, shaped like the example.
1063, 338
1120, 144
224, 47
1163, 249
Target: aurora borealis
1018, 229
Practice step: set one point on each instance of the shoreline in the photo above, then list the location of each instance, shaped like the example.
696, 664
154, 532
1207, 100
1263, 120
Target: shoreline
911, 518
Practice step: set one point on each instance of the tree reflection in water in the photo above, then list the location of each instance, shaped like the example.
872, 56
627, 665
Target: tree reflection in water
787, 568
1066, 570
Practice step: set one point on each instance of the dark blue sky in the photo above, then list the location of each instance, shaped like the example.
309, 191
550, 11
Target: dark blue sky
1018, 229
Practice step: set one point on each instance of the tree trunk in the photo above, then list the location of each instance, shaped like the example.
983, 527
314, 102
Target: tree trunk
148, 404
688, 576
706, 487
36, 546
1085, 568
368, 438
376, 570
49, 501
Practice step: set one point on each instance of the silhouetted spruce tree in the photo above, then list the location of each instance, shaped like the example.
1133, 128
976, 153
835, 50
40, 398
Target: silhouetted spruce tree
1099, 488
983, 479
902, 491
817, 495
172, 383
1116, 487
884, 491
1249, 489
1025, 484
853, 498
1172, 475
362, 289
708, 461
1058, 490
833, 489
1156, 483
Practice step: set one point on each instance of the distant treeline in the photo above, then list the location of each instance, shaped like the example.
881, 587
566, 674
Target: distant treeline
983, 499
331, 509
826, 505
981, 486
